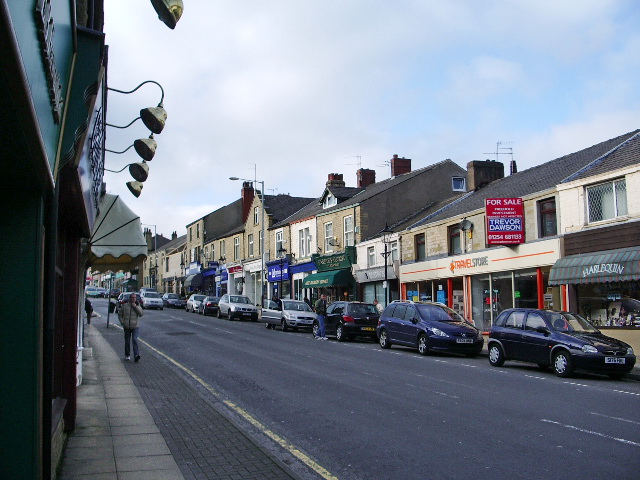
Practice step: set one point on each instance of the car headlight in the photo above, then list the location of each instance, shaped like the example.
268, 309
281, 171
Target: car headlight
232, 308
629, 351
437, 332
589, 349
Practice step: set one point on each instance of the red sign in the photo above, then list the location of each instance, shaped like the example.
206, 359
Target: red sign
235, 269
505, 221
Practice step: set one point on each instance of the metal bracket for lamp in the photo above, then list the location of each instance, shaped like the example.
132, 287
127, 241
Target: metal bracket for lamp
154, 118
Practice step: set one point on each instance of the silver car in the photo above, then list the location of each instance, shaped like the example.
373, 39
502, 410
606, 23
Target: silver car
151, 300
194, 302
237, 306
287, 314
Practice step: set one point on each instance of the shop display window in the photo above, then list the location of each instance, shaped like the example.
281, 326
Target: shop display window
525, 291
614, 304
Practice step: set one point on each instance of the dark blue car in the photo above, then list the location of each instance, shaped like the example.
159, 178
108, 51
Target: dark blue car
428, 326
563, 340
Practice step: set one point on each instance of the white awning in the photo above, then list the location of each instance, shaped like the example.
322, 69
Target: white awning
117, 242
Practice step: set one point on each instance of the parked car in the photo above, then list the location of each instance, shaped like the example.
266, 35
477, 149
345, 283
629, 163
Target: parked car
346, 320
428, 326
124, 298
287, 314
173, 300
209, 305
194, 302
147, 289
151, 300
92, 292
114, 292
237, 306
563, 340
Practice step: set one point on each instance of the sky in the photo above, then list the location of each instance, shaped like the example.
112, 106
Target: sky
289, 91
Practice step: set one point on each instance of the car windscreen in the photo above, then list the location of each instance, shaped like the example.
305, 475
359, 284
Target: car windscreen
570, 322
198, 298
297, 306
362, 309
173, 296
239, 299
151, 295
439, 313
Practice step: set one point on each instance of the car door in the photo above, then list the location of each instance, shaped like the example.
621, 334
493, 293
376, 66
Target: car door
409, 327
511, 335
394, 323
535, 344
270, 312
334, 315
224, 304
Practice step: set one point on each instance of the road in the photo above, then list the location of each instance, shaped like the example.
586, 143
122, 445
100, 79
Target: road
361, 412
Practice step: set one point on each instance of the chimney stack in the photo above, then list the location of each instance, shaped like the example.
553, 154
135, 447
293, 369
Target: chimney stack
149, 238
400, 165
247, 199
174, 235
480, 173
366, 177
513, 168
335, 180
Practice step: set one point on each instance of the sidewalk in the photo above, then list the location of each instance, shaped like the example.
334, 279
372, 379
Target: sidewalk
115, 436
144, 421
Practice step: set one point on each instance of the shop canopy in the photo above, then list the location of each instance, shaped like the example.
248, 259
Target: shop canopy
620, 265
331, 278
193, 281
117, 242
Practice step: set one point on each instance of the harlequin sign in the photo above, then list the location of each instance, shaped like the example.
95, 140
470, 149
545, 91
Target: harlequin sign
505, 221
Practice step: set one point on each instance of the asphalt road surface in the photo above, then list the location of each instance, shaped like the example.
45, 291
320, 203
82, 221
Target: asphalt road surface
359, 412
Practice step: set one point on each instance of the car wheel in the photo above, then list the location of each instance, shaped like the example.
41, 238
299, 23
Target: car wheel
283, 324
340, 336
496, 355
267, 325
423, 344
383, 339
315, 329
562, 364
161, 308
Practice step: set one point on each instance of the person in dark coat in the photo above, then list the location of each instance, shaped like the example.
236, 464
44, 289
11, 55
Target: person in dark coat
88, 308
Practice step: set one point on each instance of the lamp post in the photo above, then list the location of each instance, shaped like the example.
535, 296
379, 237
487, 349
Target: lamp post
262, 233
281, 253
386, 237
155, 254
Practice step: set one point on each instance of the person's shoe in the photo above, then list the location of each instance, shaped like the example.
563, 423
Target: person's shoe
127, 358
325, 338
137, 358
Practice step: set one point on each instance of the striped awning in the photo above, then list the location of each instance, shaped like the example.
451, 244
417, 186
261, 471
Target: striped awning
608, 266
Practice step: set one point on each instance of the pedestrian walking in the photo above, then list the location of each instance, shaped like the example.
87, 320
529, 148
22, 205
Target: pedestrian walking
321, 311
379, 307
88, 308
128, 314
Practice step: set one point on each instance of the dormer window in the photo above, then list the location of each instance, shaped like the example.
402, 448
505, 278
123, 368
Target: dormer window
329, 201
459, 184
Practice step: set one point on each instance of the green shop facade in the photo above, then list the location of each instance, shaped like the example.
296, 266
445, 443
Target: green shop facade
333, 276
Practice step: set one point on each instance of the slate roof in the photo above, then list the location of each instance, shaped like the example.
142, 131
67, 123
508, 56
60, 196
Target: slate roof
540, 178
174, 243
279, 207
223, 222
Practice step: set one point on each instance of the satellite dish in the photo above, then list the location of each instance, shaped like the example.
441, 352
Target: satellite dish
466, 225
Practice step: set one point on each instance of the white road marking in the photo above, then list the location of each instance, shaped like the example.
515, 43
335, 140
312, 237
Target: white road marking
615, 418
627, 393
591, 432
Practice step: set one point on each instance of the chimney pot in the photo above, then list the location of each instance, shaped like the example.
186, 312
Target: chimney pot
366, 177
400, 166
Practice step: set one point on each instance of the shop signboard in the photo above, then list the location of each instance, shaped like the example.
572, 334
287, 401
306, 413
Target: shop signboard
505, 221
334, 262
278, 273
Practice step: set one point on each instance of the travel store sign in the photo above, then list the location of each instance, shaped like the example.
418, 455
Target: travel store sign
505, 221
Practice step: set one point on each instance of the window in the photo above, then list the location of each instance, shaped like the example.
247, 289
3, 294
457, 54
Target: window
213, 252
459, 184
328, 237
198, 231
371, 257
223, 250
304, 242
260, 239
455, 240
256, 216
279, 242
515, 320
547, 218
166, 264
349, 239
250, 247
607, 200
534, 320
191, 234
206, 253
236, 248
329, 201
420, 250
395, 253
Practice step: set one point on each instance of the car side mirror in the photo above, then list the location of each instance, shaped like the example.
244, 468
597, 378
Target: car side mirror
415, 320
544, 330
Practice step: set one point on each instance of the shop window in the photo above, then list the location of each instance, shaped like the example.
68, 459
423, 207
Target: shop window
455, 240
607, 200
420, 250
525, 289
250, 246
371, 257
547, 219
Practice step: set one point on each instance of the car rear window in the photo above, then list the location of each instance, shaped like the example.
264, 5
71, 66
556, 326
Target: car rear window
362, 309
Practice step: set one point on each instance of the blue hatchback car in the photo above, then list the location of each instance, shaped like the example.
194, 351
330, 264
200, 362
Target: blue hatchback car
428, 326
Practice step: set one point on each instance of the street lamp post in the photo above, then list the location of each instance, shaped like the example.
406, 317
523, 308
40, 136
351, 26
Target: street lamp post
155, 254
386, 237
262, 234
281, 252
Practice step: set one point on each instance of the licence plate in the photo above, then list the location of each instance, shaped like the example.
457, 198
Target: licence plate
614, 360
464, 340
368, 329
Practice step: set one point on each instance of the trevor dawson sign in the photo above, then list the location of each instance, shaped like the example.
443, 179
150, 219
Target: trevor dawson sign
505, 221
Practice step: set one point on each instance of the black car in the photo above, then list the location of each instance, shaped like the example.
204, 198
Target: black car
561, 339
428, 326
209, 305
346, 320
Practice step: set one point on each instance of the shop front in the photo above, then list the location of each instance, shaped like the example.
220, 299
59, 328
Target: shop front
334, 277
278, 278
371, 285
253, 280
208, 278
480, 285
299, 272
235, 279
603, 287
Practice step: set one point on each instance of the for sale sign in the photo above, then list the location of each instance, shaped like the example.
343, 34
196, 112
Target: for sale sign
505, 221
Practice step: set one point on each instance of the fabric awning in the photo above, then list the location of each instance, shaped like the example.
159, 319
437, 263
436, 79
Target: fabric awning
117, 241
608, 266
193, 281
208, 273
341, 278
